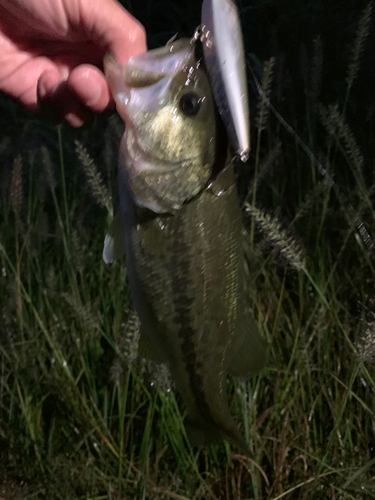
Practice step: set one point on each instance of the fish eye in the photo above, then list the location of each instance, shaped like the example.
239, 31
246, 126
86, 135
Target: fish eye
190, 104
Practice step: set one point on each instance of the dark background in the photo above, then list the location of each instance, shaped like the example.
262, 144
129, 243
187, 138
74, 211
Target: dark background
284, 29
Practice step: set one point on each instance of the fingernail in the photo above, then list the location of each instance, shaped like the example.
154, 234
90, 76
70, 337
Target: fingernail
73, 120
47, 84
94, 93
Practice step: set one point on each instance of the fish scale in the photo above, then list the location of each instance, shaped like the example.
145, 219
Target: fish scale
203, 251
180, 227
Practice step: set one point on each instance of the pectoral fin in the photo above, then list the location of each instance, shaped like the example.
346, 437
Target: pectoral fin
251, 355
114, 243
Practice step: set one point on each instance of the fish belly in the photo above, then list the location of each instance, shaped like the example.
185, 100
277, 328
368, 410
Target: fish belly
186, 274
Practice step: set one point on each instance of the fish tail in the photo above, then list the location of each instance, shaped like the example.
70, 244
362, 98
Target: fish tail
202, 433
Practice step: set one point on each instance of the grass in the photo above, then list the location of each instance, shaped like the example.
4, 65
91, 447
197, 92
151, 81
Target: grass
83, 418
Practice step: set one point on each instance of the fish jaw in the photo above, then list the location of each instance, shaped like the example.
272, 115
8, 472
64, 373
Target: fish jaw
224, 57
166, 155
115, 78
167, 60
144, 70
153, 70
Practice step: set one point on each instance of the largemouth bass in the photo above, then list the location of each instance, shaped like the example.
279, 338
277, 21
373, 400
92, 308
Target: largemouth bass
180, 226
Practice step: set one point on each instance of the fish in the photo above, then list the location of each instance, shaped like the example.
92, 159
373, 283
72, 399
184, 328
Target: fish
180, 228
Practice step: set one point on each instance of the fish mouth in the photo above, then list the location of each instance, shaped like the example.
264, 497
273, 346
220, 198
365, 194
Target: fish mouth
146, 70
160, 186
136, 166
141, 89
149, 67
146, 79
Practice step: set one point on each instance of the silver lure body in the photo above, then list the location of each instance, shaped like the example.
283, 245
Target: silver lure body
224, 57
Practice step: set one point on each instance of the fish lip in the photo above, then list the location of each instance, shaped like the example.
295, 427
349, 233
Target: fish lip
162, 61
133, 163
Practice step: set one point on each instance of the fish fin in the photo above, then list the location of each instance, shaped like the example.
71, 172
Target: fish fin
114, 243
146, 350
251, 354
203, 434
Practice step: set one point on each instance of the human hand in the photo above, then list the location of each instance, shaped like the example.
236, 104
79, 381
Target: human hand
51, 53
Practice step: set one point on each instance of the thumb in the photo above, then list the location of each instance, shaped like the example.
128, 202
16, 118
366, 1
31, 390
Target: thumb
116, 29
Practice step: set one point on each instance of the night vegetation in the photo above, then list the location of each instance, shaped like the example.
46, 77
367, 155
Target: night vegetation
81, 416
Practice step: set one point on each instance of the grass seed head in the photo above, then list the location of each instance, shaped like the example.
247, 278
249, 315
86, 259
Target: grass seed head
77, 252
94, 179
160, 376
287, 246
48, 168
265, 92
85, 313
366, 344
129, 336
335, 123
359, 44
16, 191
